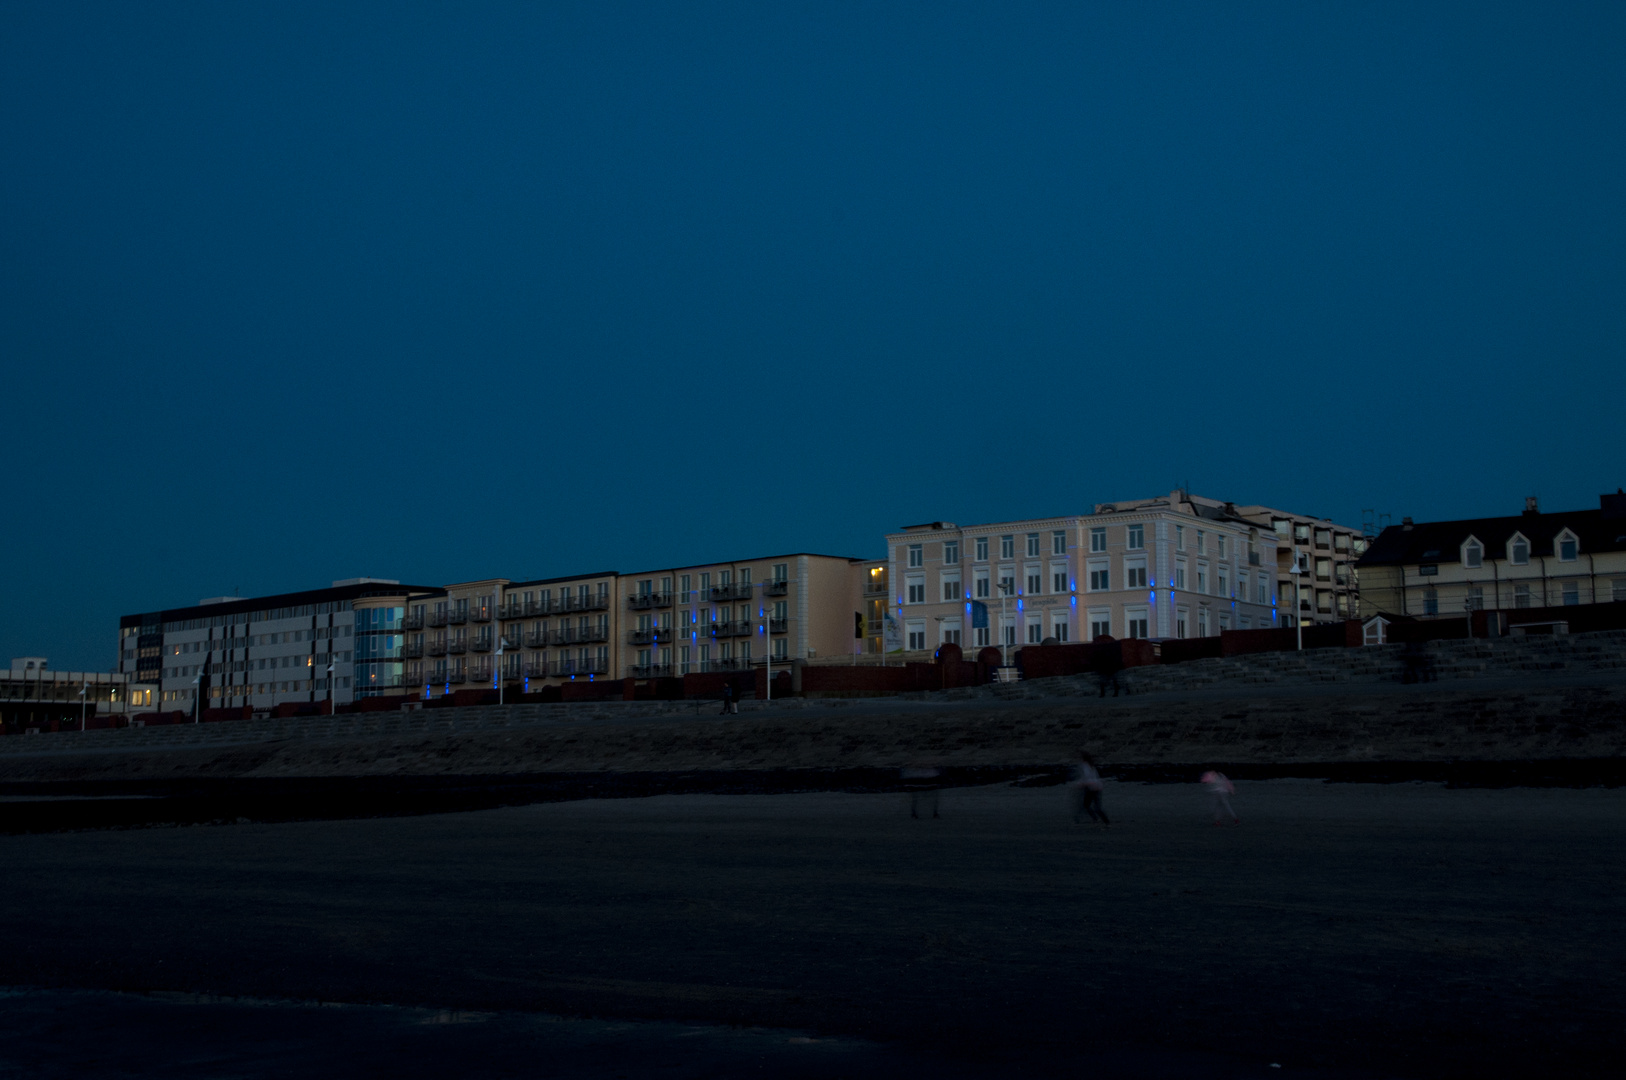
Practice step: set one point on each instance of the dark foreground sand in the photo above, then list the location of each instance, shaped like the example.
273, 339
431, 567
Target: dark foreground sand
1404, 930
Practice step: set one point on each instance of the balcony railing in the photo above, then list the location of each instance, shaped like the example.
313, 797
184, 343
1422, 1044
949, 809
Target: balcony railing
458, 676
512, 642
437, 648
480, 614
778, 626
515, 610
874, 588
778, 588
657, 634
413, 622
731, 592
646, 601
481, 674
536, 639
413, 650
457, 618
731, 663
536, 671
437, 618
736, 628
565, 668
480, 644
593, 633
458, 647
596, 602
651, 671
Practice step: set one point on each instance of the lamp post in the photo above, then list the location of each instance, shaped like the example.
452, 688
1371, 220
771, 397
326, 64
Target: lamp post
1298, 605
767, 645
1004, 637
499, 663
83, 689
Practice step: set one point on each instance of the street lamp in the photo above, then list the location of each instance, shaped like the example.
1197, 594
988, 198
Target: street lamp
1298, 605
82, 695
1005, 632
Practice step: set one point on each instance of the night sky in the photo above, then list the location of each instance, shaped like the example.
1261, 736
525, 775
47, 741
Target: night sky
291, 293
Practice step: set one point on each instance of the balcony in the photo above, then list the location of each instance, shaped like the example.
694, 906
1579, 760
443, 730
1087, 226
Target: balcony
512, 642
875, 588
458, 676
413, 650
480, 614
593, 633
482, 674
437, 618
510, 611
567, 668
732, 663
731, 592
778, 626
651, 671
437, 648
600, 602
655, 635
458, 647
536, 671
736, 628
457, 618
646, 601
413, 622
480, 644
778, 588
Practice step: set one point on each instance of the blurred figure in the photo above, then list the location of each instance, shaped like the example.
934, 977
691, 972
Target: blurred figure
1086, 790
921, 783
1108, 657
1221, 789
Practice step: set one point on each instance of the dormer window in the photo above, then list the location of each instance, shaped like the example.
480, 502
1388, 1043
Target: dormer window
1568, 546
1518, 551
1473, 554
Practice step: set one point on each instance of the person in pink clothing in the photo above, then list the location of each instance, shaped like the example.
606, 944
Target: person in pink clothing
1221, 789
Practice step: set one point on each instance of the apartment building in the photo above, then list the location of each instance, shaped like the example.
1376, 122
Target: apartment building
1444, 569
341, 643
1325, 552
729, 616
1158, 569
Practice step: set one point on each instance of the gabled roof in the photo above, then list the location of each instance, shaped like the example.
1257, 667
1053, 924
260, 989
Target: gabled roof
1441, 541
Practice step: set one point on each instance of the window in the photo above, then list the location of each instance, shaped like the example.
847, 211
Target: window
1323, 569
1202, 578
1618, 592
1571, 592
1473, 555
1521, 596
981, 634
917, 555
1179, 538
781, 649
1135, 575
979, 585
1100, 624
1035, 581
1058, 577
1263, 596
1202, 622
1242, 585
916, 584
1202, 540
1282, 527
1135, 623
1007, 581
1567, 546
1098, 539
1476, 599
1035, 632
1058, 628
951, 588
1340, 543
982, 549
781, 572
1224, 621
1033, 544
1100, 576
1180, 574
1009, 632
1431, 601
1219, 545
1518, 551
1135, 537
1181, 615
1007, 547
1058, 542
917, 636
1224, 589
951, 552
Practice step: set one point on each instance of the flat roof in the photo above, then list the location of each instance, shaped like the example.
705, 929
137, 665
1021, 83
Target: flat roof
251, 604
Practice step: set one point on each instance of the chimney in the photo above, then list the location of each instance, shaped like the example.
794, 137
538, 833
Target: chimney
1530, 507
1613, 506
1405, 523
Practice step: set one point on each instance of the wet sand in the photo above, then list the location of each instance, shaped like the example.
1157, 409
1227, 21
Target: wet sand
1401, 930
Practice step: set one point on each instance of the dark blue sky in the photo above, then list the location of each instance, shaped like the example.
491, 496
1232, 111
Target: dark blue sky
290, 293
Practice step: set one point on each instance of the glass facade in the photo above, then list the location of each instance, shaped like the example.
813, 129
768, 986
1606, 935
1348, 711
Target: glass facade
379, 643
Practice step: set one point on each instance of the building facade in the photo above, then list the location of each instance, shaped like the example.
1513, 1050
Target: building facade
1446, 569
1151, 569
32, 695
341, 643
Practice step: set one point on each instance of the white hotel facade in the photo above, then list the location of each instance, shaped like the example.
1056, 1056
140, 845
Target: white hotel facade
1169, 568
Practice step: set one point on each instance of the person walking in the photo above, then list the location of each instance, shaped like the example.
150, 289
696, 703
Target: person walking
1221, 789
1086, 791
1107, 655
728, 698
921, 783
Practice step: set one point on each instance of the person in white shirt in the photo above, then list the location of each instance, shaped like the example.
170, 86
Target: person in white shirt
1221, 789
1086, 786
